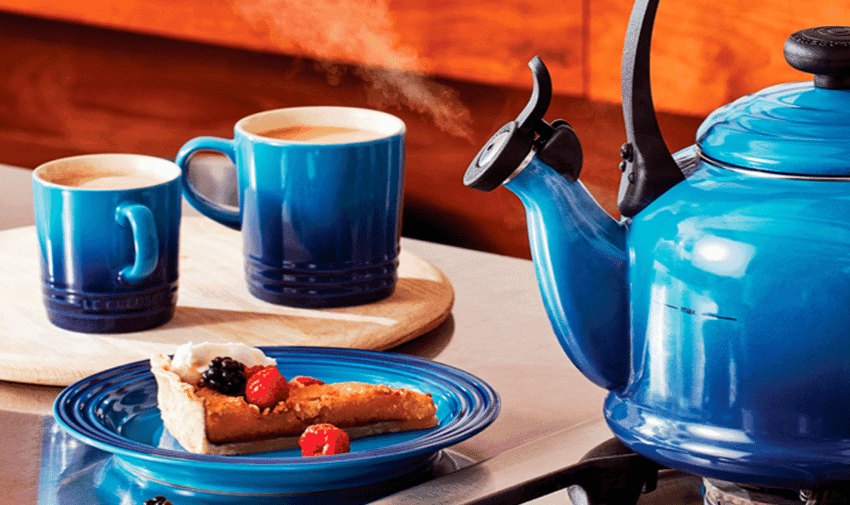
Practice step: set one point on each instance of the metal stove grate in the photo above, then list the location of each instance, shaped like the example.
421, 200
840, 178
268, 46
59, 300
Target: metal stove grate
609, 474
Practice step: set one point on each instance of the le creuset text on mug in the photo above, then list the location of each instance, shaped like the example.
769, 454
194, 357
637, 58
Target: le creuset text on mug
320, 196
108, 231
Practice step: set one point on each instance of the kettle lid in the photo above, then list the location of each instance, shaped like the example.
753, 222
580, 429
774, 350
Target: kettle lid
791, 129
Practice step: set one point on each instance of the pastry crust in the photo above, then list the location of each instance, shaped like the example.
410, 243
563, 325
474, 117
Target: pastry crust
204, 421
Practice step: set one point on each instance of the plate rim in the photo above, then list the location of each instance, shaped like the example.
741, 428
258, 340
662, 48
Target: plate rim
485, 405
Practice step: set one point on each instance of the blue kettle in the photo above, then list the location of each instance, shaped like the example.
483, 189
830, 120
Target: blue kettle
716, 311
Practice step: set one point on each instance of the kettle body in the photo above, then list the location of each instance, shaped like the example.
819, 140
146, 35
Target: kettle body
740, 330
718, 316
717, 310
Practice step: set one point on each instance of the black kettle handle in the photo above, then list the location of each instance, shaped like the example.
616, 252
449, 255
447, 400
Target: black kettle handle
648, 167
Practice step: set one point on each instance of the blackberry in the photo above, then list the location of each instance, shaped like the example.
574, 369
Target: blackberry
158, 500
225, 375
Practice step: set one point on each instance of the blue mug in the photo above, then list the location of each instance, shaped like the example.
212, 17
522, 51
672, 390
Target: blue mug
320, 196
108, 230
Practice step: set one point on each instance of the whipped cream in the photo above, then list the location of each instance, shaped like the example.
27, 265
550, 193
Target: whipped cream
191, 360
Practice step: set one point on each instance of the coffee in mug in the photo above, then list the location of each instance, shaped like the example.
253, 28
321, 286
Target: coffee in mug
104, 178
320, 195
321, 134
108, 227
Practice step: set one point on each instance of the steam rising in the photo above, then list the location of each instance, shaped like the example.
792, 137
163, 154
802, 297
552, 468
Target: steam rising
360, 31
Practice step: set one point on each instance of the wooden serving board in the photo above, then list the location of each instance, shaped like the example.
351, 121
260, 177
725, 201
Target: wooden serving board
213, 305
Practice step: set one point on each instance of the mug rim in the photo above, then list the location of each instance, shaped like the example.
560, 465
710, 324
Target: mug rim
165, 165
396, 125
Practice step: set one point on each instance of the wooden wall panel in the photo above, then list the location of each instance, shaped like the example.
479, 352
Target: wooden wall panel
146, 75
705, 53
476, 40
69, 89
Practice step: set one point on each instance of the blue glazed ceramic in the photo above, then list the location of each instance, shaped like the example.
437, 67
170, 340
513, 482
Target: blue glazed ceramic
717, 310
73, 473
109, 255
320, 218
115, 411
718, 319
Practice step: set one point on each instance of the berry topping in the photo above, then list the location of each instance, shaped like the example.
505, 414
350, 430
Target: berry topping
324, 440
251, 370
266, 388
225, 375
303, 380
158, 500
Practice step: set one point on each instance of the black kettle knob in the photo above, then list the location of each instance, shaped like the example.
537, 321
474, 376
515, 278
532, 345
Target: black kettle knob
823, 51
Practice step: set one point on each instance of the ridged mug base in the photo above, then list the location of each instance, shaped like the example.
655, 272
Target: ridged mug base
307, 287
111, 312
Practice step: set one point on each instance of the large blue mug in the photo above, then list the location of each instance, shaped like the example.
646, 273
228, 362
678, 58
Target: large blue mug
108, 230
320, 196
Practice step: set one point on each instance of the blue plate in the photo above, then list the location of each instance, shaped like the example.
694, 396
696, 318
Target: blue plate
73, 474
116, 411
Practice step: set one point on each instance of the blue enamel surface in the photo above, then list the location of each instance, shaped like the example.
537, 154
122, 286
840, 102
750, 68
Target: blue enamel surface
793, 128
73, 473
142, 224
320, 222
116, 411
213, 210
580, 257
88, 245
739, 331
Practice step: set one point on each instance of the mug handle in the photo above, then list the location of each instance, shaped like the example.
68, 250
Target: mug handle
201, 203
145, 240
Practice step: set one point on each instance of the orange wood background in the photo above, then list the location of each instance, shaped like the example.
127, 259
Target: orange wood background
706, 52
477, 40
144, 76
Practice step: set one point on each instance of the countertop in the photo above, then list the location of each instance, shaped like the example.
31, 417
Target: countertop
498, 330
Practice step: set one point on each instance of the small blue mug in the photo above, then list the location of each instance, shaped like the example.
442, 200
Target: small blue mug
108, 230
320, 196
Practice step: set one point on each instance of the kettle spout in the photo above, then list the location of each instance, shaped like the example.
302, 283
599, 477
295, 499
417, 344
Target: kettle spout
579, 251
581, 260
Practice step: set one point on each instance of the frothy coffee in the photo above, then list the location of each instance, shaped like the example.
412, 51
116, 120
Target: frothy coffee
105, 179
118, 182
322, 134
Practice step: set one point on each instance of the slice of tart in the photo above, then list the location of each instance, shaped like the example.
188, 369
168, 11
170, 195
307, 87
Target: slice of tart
206, 421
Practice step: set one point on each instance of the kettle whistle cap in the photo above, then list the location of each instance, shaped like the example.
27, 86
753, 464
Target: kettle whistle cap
512, 143
499, 157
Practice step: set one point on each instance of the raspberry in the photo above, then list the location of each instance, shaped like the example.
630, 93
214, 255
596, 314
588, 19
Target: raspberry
266, 388
158, 500
303, 380
324, 440
252, 370
225, 375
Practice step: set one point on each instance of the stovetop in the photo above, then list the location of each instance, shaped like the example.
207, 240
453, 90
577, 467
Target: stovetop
609, 474
674, 487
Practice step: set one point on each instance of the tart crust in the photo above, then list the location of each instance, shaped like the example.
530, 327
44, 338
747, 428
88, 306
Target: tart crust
205, 421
